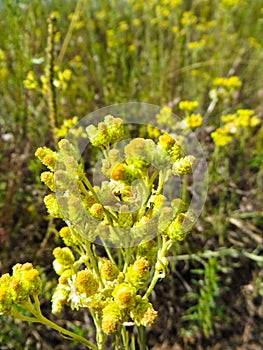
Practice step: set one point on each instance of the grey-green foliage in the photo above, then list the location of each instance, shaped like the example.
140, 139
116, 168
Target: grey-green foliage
205, 311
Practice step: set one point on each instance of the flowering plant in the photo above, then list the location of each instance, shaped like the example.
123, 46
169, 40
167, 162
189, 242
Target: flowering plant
128, 215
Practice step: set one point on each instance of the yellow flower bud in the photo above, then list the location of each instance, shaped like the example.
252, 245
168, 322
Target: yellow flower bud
188, 106
193, 121
65, 275
166, 141
25, 282
86, 283
141, 266
47, 157
143, 313
59, 298
6, 297
138, 273
5, 300
176, 231
124, 295
112, 318
97, 211
108, 271
183, 166
64, 259
52, 206
48, 178
149, 317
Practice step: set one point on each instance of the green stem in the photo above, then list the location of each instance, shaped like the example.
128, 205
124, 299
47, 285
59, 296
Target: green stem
128, 252
161, 254
93, 262
125, 338
100, 336
184, 188
39, 318
108, 251
69, 32
142, 338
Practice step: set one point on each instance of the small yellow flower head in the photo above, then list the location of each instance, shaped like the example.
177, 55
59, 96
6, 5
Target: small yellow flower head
231, 83
86, 283
188, 106
52, 206
68, 237
246, 118
64, 259
66, 274
112, 318
6, 299
108, 271
108, 132
166, 142
30, 82
138, 273
64, 256
141, 266
47, 157
176, 231
123, 26
98, 138
59, 298
125, 173
143, 313
188, 19
124, 295
97, 211
25, 282
158, 201
48, 178
64, 232
183, 165
176, 152
254, 121
136, 22
193, 121
222, 137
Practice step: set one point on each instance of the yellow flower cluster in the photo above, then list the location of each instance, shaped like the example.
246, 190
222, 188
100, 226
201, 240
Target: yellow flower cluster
193, 121
66, 126
188, 19
188, 106
232, 82
114, 293
233, 126
30, 82
18, 288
